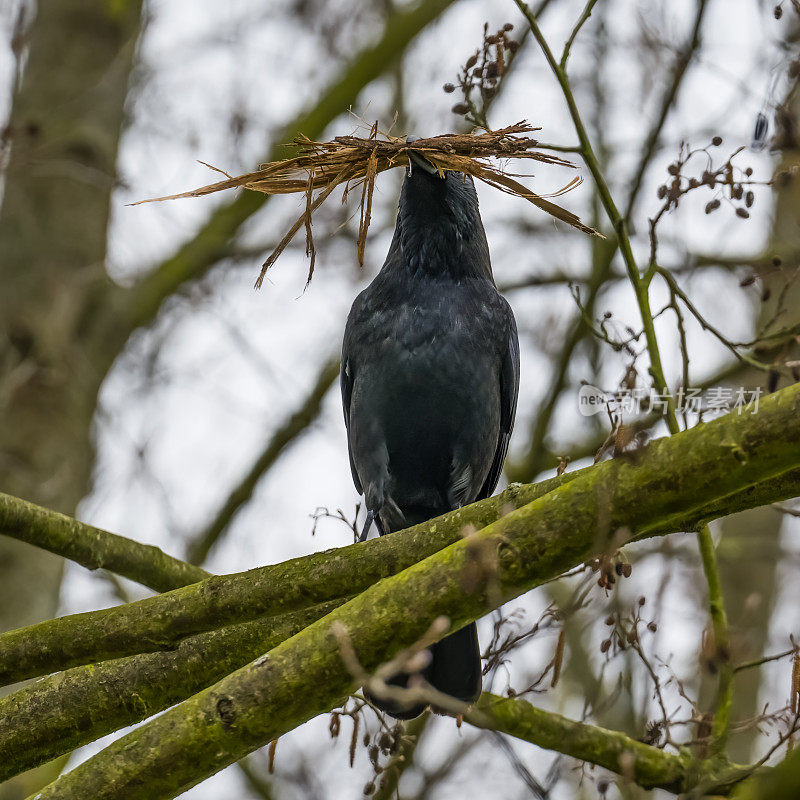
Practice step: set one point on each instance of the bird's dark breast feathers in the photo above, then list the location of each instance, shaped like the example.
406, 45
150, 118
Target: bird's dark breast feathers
426, 393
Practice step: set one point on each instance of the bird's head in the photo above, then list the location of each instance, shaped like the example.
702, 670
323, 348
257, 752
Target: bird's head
439, 226
434, 195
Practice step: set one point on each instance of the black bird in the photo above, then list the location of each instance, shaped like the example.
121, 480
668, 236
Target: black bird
430, 376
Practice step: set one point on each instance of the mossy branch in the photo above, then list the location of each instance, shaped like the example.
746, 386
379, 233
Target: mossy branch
781, 783
741, 451
64, 711
72, 708
161, 622
94, 548
305, 675
647, 766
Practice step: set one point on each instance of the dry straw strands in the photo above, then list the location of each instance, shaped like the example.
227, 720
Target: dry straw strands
319, 167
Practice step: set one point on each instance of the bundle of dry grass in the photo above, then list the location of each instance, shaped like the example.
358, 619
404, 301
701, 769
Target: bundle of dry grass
319, 167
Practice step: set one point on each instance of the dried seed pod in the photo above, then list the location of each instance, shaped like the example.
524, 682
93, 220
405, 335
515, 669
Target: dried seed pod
627, 569
652, 627
712, 206
605, 645
743, 213
471, 61
448, 87
273, 746
749, 198
354, 739
716, 141
508, 27
460, 108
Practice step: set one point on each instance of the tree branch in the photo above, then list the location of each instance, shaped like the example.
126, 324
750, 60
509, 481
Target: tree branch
647, 766
73, 708
305, 675
781, 783
160, 622
604, 251
69, 709
94, 548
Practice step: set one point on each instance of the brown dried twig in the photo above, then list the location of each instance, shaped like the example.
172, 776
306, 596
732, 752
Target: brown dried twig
354, 161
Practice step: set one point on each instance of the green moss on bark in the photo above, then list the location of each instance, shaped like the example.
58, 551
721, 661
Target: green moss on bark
305, 676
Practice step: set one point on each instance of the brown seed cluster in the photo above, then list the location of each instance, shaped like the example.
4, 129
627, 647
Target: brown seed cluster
385, 743
777, 10
480, 77
730, 183
625, 632
611, 568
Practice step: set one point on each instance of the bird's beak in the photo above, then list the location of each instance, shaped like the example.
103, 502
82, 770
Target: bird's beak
415, 159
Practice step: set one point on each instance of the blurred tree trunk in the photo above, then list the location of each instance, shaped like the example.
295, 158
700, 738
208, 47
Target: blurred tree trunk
64, 131
750, 548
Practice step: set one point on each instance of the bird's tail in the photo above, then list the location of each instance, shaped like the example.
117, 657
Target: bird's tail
455, 665
454, 669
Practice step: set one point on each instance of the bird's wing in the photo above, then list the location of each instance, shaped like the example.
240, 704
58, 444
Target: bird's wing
346, 383
509, 389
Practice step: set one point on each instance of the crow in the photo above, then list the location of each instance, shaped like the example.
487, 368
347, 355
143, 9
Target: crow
429, 380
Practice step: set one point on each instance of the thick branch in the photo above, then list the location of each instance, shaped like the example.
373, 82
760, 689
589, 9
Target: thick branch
67, 710
734, 451
647, 766
73, 708
781, 783
305, 675
159, 623
94, 548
